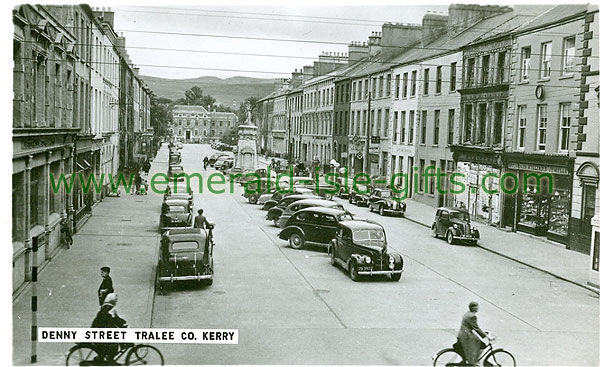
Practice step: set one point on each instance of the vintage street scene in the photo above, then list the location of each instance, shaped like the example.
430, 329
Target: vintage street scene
407, 185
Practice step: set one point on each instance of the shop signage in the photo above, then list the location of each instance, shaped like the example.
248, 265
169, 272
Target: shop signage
488, 159
375, 139
538, 168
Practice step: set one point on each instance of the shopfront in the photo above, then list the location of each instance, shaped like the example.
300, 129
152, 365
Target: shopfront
542, 202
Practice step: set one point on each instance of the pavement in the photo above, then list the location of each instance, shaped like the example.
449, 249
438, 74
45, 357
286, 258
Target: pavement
122, 233
541, 254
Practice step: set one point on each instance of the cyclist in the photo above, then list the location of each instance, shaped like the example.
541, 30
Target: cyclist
64, 228
107, 317
471, 343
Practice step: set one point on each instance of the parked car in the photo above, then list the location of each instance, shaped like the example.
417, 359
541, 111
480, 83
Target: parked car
175, 214
254, 189
269, 200
359, 195
360, 247
261, 172
305, 203
385, 201
178, 187
275, 212
186, 254
316, 225
213, 158
176, 173
181, 196
454, 224
174, 157
344, 192
224, 162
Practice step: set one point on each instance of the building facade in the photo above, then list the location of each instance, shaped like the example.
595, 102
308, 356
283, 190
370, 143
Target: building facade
194, 124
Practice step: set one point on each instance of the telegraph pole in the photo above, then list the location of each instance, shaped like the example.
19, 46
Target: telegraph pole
290, 135
368, 145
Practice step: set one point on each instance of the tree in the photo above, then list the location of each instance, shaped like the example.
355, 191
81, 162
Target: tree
160, 114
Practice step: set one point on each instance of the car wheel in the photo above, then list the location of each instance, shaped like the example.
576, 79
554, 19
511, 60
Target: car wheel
275, 221
381, 211
332, 256
434, 231
328, 196
252, 199
353, 272
296, 241
396, 277
370, 207
450, 238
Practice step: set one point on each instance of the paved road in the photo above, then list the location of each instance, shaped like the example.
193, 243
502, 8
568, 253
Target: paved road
292, 307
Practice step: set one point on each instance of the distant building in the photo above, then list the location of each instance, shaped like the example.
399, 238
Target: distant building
194, 124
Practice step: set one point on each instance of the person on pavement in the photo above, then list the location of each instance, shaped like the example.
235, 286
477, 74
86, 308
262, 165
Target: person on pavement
106, 286
205, 162
200, 220
470, 342
107, 317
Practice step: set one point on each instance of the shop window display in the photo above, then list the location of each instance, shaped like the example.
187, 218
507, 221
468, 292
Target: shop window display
534, 208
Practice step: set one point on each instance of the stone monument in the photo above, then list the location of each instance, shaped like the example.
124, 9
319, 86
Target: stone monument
247, 156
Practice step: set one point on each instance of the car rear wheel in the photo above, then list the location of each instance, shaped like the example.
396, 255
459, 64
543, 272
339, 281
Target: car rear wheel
434, 231
252, 199
370, 207
450, 238
381, 211
353, 270
396, 277
296, 241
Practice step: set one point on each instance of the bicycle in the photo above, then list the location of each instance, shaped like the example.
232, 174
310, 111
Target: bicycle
88, 354
491, 357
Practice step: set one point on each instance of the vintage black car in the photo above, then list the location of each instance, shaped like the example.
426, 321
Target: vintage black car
383, 201
455, 225
251, 175
174, 157
176, 173
305, 203
275, 212
254, 189
180, 196
345, 187
175, 214
361, 196
360, 247
270, 200
316, 225
186, 254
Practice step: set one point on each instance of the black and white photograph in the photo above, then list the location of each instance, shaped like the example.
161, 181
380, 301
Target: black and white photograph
274, 183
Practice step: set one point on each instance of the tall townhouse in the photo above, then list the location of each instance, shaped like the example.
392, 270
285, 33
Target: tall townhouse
585, 207
142, 132
372, 87
127, 161
264, 121
45, 125
541, 125
109, 73
484, 98
439, 62
279, 131
294, 108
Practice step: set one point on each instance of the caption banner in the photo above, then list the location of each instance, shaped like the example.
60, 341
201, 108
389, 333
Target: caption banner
151, 336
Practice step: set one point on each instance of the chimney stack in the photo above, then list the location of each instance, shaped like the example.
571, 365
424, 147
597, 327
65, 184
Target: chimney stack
374, 43
463, 16
395, 37
433, 25
356, 51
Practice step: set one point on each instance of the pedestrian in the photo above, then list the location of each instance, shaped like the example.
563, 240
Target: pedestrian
470, 335
138, 182
200, 220
206, 162
106, 286
107, 317
146, 167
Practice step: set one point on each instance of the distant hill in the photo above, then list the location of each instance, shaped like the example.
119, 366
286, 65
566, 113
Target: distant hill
225, 91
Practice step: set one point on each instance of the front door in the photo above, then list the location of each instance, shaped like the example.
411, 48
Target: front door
188, 135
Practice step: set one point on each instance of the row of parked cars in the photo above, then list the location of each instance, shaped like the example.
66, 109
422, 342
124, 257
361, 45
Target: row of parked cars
221, 146
308, 218
186, 253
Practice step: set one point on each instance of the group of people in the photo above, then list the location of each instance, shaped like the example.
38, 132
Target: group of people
141, 184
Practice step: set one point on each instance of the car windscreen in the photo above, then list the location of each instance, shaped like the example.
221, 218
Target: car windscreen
185, 245
369, 236
460, 216
345, 216
177, 209
386, 194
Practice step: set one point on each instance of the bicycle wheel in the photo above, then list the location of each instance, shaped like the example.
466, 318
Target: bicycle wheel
83, 355
448, 357
144, 354
500, 357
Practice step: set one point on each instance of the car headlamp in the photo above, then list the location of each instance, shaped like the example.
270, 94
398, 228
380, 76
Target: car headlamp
455, 226
391, 259
367, 259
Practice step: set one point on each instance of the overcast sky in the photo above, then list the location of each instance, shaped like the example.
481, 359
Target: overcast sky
336, 25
